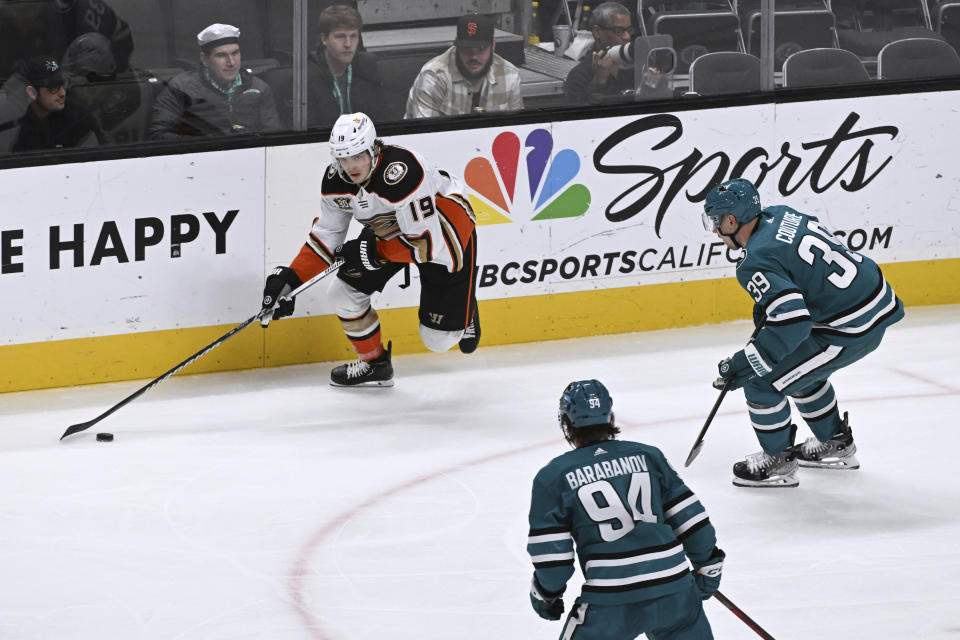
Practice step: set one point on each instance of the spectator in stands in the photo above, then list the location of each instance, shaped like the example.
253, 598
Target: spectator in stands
51, 121
597, 78
220, 98
467, 77
52, 26
341, 79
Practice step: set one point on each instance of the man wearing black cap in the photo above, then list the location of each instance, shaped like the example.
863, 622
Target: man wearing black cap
51, 122
466, 78
220, 98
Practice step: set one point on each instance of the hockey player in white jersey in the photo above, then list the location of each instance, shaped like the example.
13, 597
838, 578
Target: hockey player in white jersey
412, 213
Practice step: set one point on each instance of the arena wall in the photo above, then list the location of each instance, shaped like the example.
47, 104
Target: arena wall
116, 270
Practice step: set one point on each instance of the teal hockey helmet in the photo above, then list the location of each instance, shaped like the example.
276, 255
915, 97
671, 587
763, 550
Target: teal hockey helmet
586, 403
738, 197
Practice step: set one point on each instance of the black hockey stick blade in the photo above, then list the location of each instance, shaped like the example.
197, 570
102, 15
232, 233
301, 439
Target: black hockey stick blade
82, 426
698, 445
76, 428
737, 611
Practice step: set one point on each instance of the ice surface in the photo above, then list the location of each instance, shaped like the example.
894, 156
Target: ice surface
267, 504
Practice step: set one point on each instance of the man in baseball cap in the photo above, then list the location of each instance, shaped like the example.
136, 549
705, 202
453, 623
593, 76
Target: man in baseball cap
466, 78
220, 98
50, 121
474, 31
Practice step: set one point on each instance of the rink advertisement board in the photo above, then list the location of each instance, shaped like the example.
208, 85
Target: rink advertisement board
585, 227
598, 204
149, 244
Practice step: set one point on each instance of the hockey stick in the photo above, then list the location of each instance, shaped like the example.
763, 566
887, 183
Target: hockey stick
698, 445
737, 611
199, 354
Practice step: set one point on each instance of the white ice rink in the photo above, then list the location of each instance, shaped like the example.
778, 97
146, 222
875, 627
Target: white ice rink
267, 504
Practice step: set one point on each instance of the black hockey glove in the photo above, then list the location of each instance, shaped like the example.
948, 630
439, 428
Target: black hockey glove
707, 577
359, 255
548, 606
282, 281
736, 369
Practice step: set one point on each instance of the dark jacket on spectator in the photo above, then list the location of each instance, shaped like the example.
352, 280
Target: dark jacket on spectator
579, 87
366, 90
72, 126
191, 106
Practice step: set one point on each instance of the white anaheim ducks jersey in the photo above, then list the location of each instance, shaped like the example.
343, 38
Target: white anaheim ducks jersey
417, 211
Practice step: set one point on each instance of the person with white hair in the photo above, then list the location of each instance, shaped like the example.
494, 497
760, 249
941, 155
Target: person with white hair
413, 214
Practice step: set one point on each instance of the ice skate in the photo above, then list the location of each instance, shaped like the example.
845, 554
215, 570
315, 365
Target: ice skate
471, 335
836, 453
375, 373
764, 470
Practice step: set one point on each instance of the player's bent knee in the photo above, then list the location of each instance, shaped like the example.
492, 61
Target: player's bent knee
347, 301
437, 340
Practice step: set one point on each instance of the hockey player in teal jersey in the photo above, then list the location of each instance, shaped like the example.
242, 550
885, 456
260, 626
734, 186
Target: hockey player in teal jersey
820, 306
635, 525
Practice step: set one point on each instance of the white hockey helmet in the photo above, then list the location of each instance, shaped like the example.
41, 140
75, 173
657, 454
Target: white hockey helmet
353, 133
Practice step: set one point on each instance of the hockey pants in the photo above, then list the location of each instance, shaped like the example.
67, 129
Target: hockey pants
804, 376
678, 616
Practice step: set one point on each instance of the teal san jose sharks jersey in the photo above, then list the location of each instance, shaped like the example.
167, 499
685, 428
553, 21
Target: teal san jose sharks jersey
632, 519
804, 280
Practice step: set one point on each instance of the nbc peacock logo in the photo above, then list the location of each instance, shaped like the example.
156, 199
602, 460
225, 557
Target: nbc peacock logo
495, 198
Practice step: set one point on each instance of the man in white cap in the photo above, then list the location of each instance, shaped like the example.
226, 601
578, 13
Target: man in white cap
220, 98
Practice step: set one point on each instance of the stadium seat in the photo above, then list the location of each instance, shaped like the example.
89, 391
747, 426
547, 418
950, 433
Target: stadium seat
696, 28
797, 26
122, 106
724, 72
917, 58
822, 67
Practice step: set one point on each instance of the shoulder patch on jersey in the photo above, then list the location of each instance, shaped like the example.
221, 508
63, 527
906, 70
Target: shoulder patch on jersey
394, 172
399, 174
331, 171
342, 203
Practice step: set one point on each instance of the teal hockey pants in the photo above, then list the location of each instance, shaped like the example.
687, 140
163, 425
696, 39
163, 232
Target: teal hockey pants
804, 376
678, 616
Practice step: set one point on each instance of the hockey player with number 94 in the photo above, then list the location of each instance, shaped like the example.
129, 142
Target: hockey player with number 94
412, 213
819, 307
635, 525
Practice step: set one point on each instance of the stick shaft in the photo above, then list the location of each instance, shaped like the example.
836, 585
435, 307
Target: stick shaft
737, 611
698, 445
199, 354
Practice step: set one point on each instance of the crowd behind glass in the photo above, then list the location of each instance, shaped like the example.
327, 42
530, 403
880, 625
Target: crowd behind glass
84, 72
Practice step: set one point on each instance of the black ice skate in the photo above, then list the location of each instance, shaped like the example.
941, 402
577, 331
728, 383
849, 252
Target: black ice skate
375, 373
764, 470
471, 336
836, 453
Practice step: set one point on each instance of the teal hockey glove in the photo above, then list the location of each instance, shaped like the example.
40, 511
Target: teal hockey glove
736, 369
548, 606
707, 577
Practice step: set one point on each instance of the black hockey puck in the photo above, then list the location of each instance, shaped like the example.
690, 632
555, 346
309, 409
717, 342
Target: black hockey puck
104, 437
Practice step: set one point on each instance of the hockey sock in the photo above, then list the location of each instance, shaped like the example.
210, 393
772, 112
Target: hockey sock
772, 425
819, 409
364, 334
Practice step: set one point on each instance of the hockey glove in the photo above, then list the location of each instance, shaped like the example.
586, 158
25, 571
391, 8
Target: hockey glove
736, 369
548, 606
282, 281
707, 577
359, 255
